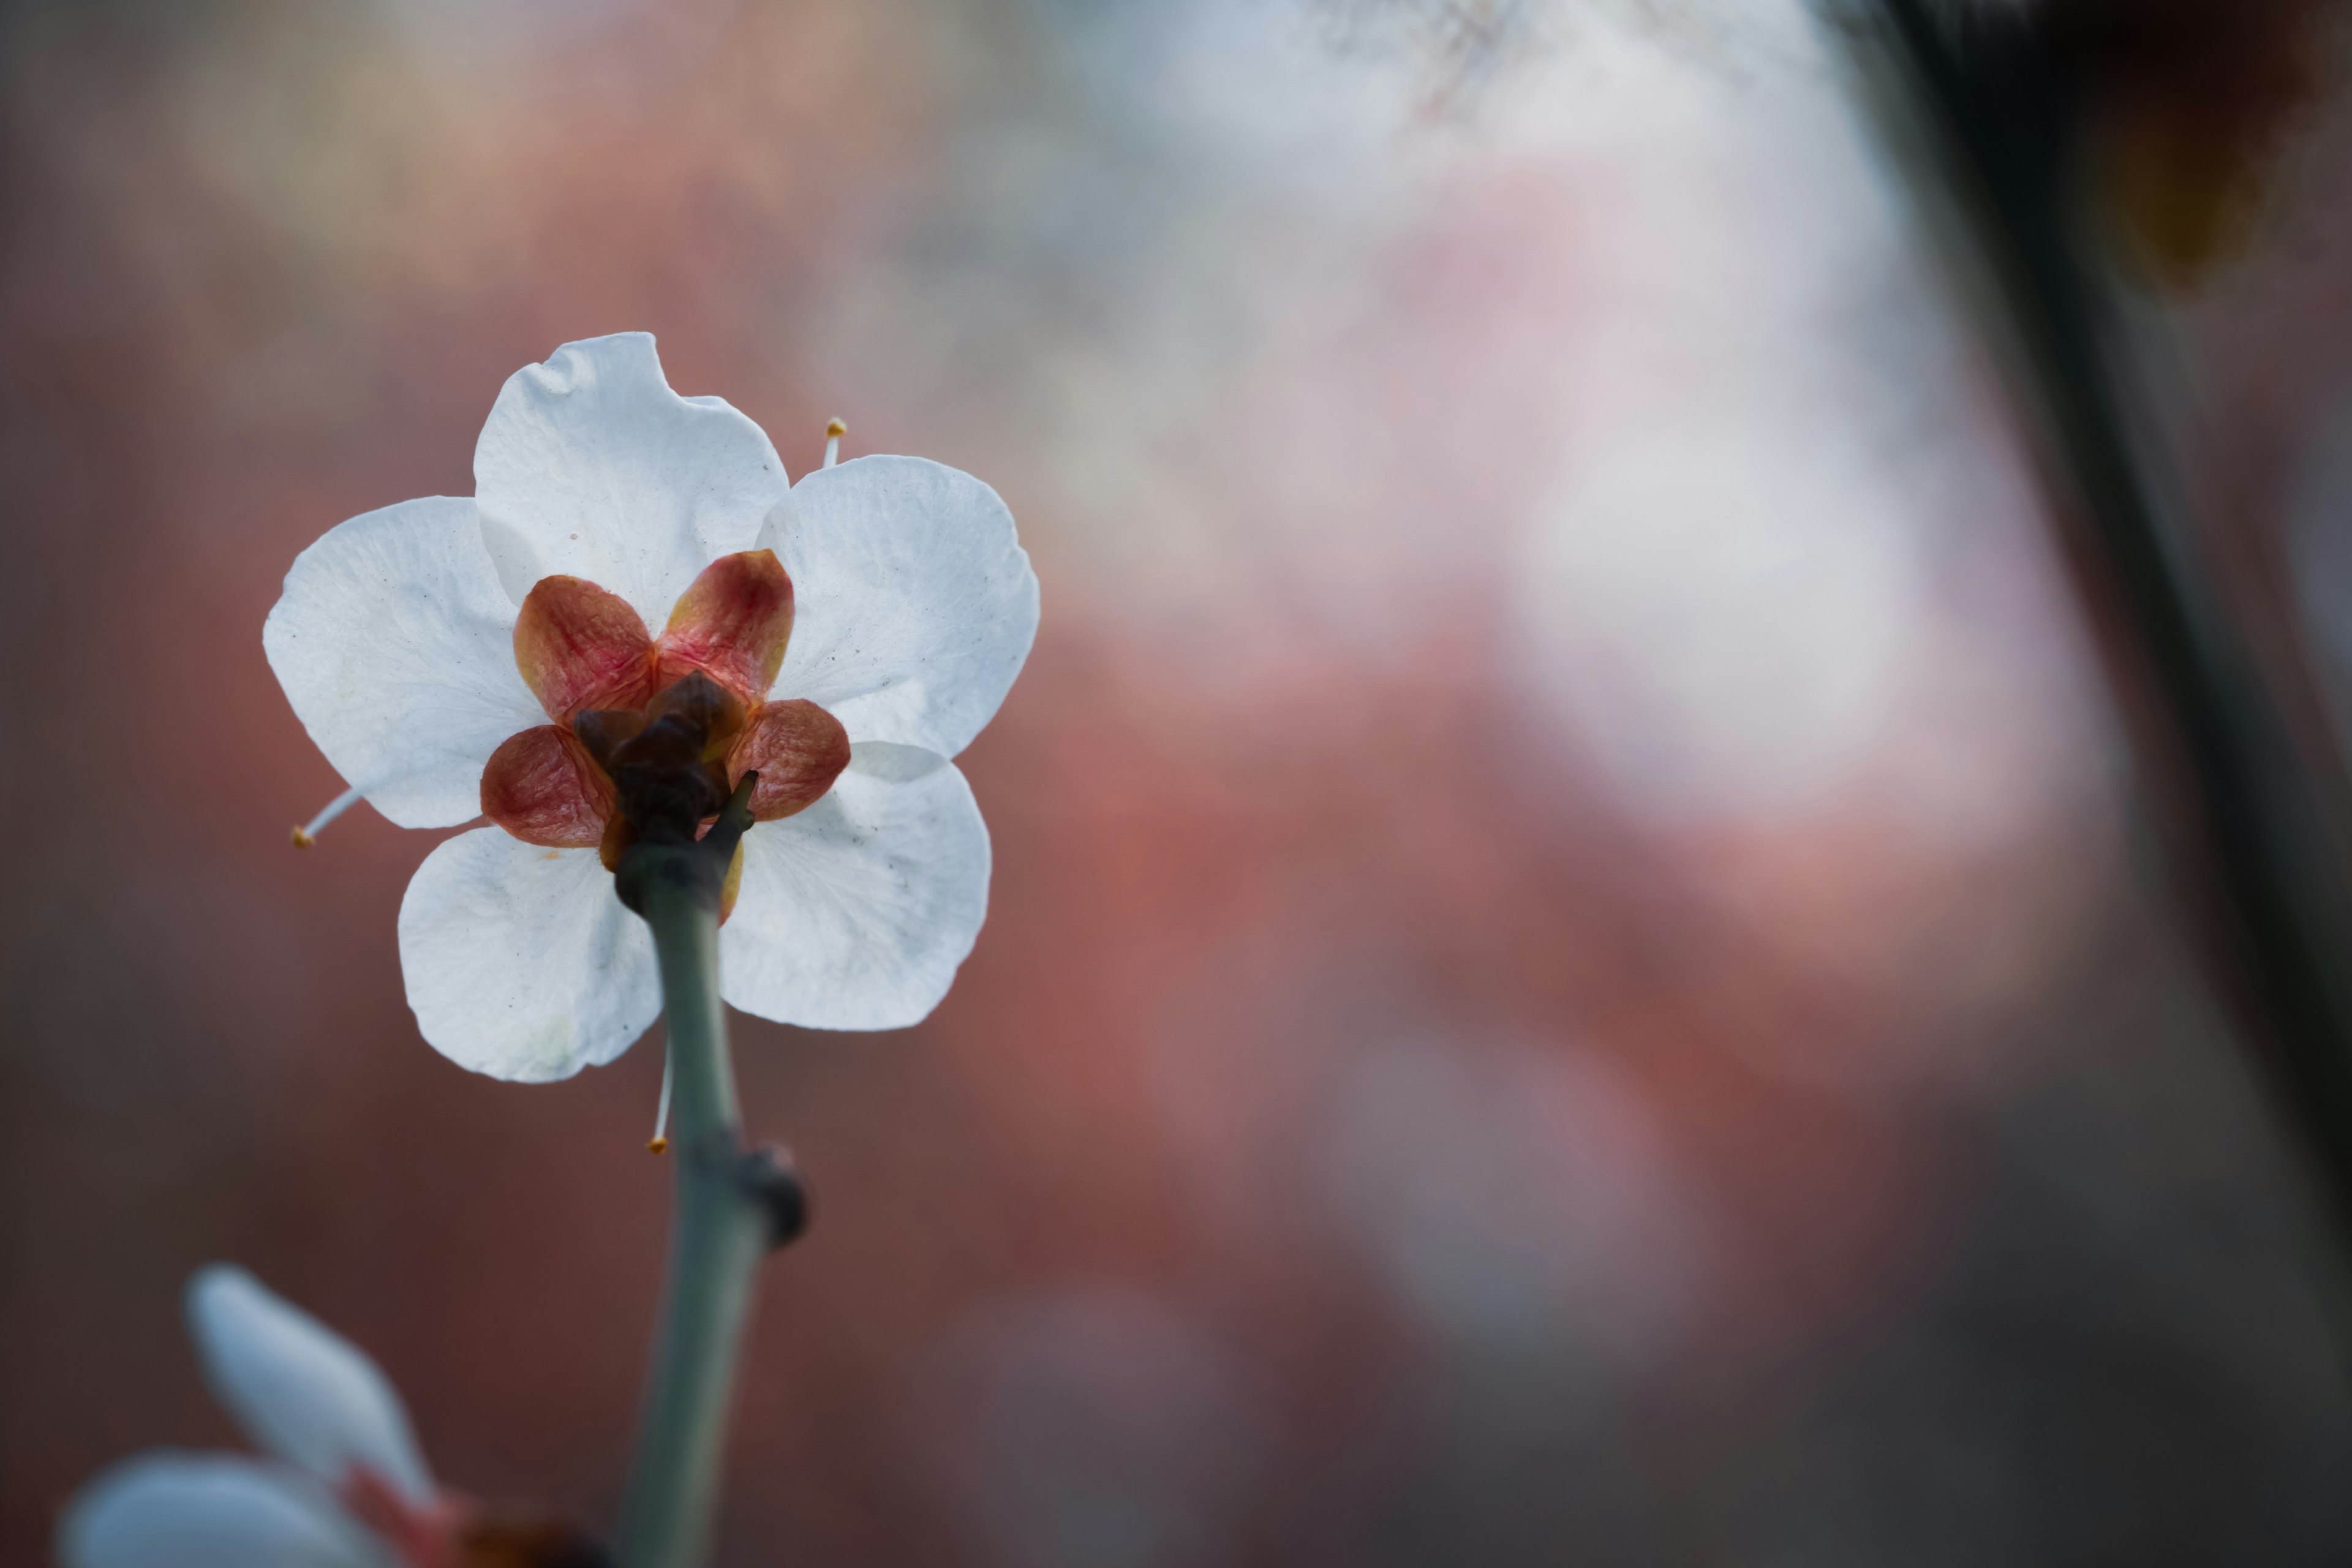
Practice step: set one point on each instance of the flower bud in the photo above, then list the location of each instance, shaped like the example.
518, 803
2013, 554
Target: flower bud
528, 1538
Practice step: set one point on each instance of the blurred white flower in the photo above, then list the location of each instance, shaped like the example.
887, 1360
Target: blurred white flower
343, 1484
860, 629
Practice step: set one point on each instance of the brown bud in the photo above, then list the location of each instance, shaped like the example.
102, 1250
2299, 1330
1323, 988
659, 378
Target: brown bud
528, 1538
769, 1175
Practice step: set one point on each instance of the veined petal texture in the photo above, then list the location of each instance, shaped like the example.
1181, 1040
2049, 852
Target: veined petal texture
301, 1390
855, 913
521, 962
591, 466
170, 1509
915, 602
395, 643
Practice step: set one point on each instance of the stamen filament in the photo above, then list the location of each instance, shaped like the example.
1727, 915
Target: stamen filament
660, 1140
308, 834
834, 431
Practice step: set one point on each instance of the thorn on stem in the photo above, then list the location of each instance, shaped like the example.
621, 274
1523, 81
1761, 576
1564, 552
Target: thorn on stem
768, 1176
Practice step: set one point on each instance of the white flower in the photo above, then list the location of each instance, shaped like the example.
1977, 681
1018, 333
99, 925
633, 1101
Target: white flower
343, 1485
867, 620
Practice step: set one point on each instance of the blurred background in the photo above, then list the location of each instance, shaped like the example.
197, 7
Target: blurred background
1576, 972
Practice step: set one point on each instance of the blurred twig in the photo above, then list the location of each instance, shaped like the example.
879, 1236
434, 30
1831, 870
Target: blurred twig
1983, 127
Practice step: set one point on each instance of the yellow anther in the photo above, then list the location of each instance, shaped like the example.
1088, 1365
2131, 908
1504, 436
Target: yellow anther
834, 428
661, 1113
304, 838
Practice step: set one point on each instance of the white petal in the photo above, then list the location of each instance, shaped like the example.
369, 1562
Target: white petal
395, 643
167, 1509
301, 1390
591, 466
521, 962
913, 603
855, 913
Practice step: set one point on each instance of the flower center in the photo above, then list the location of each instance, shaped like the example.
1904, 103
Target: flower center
668, 760
651, 735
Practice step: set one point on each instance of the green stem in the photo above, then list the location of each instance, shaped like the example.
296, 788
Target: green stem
727, 1213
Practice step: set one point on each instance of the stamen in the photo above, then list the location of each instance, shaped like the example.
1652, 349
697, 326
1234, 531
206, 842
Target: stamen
661, 1118
308, 834
834, 431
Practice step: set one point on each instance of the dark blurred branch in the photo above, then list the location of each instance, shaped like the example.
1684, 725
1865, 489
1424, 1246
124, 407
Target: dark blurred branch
733, 1205
1984, 127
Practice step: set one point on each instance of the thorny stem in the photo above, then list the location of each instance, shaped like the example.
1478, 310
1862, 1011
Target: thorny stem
2251, 809
732, 1205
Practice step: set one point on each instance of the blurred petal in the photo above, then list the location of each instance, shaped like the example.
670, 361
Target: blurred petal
521, 962
856, 913
170, 1510
917, 604
579, 645
591, 465
301, 1391
733, 622
798, 749
543, 787
394, 643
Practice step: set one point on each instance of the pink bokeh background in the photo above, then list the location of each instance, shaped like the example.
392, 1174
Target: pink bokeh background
1572, 972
